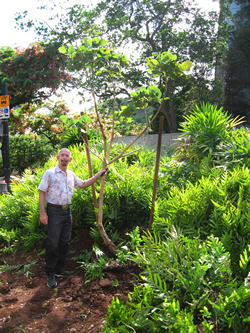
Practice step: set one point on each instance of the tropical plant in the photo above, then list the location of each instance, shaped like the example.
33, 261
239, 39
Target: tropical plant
186, 286
216, 205
206, 127
235, 151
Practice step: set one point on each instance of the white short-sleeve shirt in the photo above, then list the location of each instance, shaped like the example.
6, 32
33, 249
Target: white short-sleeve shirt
58, 186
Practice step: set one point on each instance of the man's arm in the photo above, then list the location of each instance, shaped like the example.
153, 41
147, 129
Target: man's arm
93, 179
43, 215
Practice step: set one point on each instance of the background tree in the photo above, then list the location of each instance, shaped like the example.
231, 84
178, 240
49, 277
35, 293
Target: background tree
143, 28
42, 120
33, 74
237, 78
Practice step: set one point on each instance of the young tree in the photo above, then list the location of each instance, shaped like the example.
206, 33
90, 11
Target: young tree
33, 74
98, 60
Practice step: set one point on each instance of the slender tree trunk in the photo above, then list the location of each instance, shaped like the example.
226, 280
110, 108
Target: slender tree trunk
173, 125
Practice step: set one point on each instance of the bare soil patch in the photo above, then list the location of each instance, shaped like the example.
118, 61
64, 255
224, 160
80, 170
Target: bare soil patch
27, 304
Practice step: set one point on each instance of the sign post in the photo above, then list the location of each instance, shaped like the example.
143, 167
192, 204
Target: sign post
4, 116
4, 106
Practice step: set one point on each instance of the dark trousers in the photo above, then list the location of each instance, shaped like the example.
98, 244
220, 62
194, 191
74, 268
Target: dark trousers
57, 244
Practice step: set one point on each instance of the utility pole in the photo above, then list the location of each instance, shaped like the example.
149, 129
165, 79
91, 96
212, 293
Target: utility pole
4, 132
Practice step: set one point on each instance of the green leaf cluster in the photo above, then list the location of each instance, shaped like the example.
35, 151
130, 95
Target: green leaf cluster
95, 56
27, 152
206, 128
166, 65
185, 284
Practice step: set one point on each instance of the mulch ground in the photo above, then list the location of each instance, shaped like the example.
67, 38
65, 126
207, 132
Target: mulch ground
27, 304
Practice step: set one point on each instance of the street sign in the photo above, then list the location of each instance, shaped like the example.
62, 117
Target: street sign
4, 112
4, 101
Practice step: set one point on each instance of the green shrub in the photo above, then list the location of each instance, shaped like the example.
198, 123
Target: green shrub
217, 205
185, 284
235, 151
230, 218
206, 127
26, 152
188, 208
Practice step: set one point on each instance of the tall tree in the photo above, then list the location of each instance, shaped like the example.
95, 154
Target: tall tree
238, 63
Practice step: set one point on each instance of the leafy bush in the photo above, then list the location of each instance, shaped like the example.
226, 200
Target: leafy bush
188, 208
206, 127
185, 284
27, 151
217, 205
175, 173
235, 151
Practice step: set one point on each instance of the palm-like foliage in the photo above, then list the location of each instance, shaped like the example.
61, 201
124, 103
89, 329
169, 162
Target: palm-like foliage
206, 127
235, 150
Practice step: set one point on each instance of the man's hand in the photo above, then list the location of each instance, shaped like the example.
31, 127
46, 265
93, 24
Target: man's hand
44, 218
101, 173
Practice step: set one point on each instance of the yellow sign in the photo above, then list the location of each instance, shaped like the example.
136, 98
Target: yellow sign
4, 101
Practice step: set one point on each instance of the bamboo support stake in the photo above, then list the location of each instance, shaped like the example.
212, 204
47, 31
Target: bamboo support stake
158, 156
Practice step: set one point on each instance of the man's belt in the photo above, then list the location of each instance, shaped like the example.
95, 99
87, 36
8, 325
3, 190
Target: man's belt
63, 207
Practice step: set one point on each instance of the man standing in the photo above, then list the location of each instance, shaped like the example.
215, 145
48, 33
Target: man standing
56, 187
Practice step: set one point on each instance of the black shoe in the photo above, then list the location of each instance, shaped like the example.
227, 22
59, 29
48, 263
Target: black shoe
62, 272
51, 281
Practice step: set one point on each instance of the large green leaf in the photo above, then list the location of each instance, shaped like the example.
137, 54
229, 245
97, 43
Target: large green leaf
96, 40
62, 49
186, 65
71, 49
103, 42
63, 119
167, 57
87, 41
153, 64
85, 118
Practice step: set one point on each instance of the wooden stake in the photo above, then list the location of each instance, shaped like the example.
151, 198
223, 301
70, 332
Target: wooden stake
158, 156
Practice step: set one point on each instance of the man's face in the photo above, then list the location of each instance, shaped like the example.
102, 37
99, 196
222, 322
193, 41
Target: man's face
64, 158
